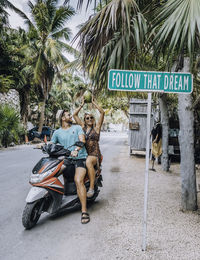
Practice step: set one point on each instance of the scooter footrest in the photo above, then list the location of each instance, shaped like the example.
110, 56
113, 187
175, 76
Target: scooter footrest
67, 199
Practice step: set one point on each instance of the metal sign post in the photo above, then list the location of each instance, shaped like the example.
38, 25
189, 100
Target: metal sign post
146, 173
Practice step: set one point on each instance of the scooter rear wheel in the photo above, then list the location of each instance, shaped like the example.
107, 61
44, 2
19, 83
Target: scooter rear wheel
31, 214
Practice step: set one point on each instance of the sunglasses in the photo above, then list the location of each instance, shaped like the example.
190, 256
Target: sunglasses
89, 117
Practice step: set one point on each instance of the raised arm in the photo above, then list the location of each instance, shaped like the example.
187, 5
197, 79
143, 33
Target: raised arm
101, 118
75, 114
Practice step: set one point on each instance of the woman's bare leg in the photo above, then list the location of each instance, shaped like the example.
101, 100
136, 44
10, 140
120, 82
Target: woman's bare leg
90, 163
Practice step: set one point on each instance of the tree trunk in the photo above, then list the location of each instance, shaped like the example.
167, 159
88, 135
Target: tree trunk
165, 131
186, 141
24, 94
45, 88
41, 120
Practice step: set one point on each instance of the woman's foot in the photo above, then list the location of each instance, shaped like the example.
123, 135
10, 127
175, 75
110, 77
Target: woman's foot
90, 193
85, 218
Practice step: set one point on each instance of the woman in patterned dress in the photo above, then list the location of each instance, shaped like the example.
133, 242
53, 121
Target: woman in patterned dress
92, 132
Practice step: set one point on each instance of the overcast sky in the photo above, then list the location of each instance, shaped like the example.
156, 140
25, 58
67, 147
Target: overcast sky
16, 21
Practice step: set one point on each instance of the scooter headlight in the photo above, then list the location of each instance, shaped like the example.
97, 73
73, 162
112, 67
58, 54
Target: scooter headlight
35, 178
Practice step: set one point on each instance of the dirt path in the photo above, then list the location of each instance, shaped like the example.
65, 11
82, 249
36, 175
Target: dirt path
172, 234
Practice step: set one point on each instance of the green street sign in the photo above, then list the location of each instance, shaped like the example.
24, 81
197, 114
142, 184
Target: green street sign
150, 81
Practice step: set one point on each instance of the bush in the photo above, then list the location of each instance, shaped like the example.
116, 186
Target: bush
10, 128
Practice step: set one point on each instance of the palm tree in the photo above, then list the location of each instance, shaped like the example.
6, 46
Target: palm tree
47, 31
112, 38
22, 72
9, 125
6, 63
178, 29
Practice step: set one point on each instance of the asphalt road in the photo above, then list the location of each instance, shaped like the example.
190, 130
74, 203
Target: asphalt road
63, 237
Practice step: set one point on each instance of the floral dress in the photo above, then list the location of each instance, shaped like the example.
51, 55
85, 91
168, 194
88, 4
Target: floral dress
92, 144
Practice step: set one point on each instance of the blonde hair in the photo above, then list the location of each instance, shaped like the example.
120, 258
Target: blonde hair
88, 113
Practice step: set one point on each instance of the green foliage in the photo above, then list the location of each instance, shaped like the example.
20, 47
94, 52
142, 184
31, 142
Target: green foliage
3, 12
110, 37
6, 82
65, 94
9, 48
46, 30
178, 29
10, 128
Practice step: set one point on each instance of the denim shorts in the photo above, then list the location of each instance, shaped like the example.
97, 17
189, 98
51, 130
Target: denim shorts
77, 163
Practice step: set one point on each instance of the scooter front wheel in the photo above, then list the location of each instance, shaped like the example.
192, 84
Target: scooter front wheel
31, 214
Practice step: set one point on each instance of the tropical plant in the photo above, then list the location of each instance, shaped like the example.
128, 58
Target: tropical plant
6, 82
4, 14
22, 71
47, 31
96, 3
10, 127
13, 60
6, 63
112, 38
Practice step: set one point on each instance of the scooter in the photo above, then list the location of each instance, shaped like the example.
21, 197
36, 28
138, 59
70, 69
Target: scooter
48, 194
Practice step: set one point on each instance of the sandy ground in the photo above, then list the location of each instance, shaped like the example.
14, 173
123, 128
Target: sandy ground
171, 234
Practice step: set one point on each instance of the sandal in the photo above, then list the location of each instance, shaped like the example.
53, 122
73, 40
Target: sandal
90, 193
85, 218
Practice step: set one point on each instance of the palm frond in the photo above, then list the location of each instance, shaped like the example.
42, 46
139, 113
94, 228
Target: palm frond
51, 6
62, 15
73, 65
41, 18
99, 30
66, 47
63, 33
9, 5
111, 37
80, 3
180, 27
